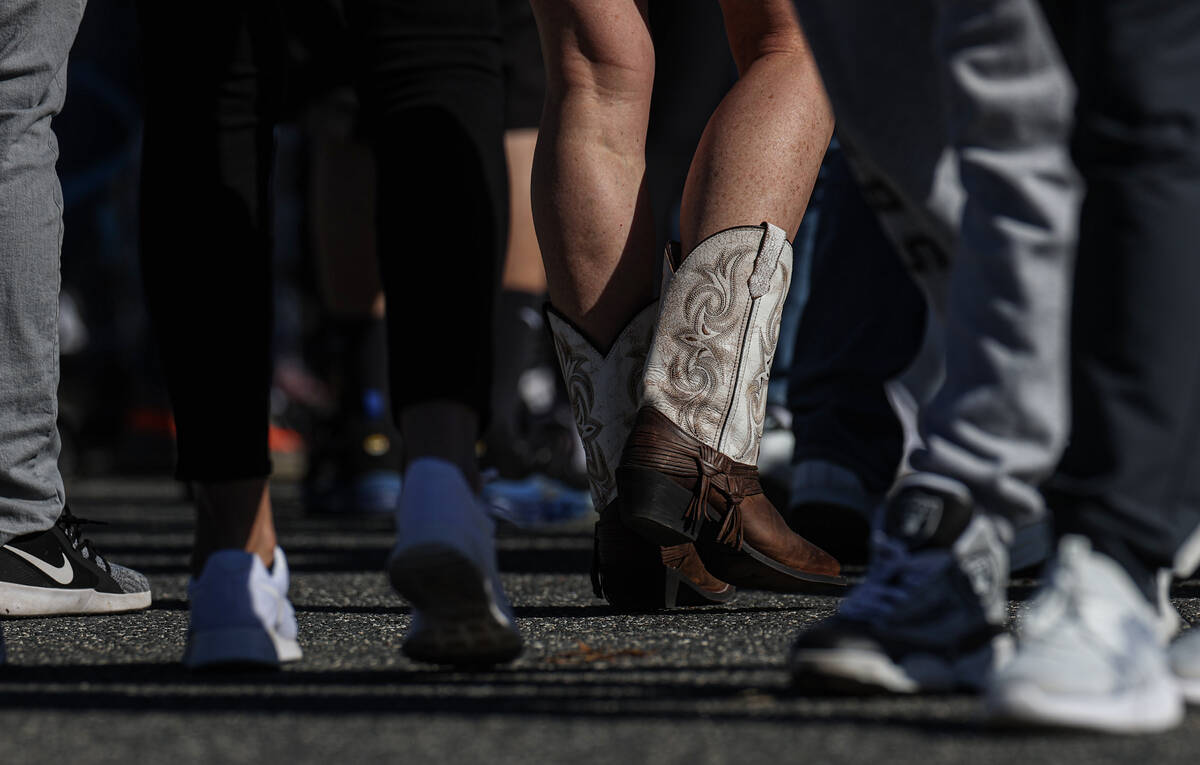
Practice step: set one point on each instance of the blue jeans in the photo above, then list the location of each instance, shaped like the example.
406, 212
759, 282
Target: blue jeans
35, 39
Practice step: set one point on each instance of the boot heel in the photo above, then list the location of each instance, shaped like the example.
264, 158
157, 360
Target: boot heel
670, 588
654, 506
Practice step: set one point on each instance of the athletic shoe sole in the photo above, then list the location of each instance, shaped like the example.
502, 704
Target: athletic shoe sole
849, 672
1145, 710
461, 624
1190, 686
27, 600
864, 672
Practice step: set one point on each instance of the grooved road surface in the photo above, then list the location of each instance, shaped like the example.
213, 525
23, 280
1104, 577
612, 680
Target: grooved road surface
592, 685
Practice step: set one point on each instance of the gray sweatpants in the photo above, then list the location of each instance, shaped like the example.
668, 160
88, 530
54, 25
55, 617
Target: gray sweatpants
956, 115
35, 38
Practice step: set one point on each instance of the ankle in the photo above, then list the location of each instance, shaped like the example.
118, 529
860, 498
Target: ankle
233, 515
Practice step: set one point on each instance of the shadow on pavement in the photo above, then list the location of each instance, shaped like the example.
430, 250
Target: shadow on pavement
535, 612
558, 692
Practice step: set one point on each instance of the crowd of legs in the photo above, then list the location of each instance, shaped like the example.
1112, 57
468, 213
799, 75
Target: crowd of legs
954, 210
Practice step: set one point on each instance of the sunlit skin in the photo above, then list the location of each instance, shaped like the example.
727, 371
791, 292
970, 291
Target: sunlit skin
757, 160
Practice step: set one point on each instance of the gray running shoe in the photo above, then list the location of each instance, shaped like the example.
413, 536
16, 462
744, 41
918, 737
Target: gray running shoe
930, 615
1091, 653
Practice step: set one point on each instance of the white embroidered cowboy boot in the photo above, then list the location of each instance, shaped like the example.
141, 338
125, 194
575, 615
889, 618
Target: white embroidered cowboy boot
690, 462
604, 389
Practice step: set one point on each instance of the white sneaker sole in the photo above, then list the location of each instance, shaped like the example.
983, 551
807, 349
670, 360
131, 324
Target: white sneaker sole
461, 623
239, 646
847, 671
27, 600
862, 671
1147, 710
1190, 687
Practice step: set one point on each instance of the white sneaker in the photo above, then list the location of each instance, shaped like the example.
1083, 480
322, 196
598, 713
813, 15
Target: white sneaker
444, 563
240, 613
1184, 656
1091, 653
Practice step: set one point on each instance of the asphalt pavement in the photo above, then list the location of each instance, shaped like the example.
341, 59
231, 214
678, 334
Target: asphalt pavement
692, 687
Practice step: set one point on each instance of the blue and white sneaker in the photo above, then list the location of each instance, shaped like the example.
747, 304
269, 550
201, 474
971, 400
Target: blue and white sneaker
240, 613
444, 563
929, 618
1091, 653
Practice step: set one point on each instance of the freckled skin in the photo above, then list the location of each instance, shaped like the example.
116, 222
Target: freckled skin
757, 159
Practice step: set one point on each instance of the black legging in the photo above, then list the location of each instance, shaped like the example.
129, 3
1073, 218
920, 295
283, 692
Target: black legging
433, 101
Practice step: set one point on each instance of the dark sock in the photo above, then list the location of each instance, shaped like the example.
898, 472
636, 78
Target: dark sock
364, 367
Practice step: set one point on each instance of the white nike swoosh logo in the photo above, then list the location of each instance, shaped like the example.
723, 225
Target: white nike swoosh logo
63, 574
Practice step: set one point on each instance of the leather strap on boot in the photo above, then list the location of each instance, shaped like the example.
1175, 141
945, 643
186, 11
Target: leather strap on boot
658, 444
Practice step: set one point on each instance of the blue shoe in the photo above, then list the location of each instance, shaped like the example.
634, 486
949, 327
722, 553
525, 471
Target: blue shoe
930, 615
444, 563
536, 501
357, 471
240, 613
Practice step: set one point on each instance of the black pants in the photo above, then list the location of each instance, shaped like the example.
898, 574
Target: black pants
1130, 478
429, 76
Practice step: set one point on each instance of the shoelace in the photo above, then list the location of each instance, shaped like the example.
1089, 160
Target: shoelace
890, 580
71, 526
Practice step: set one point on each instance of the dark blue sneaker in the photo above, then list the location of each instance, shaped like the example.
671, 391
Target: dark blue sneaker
930, 615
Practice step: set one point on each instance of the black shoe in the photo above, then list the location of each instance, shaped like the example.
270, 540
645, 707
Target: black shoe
357, 471
59, 572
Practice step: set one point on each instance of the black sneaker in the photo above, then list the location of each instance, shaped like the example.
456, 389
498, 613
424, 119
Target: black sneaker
59, 572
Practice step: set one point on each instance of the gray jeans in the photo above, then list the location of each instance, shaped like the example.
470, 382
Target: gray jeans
35, 38
957, 115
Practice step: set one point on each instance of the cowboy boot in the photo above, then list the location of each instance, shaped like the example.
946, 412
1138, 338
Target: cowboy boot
688, 472
604, 389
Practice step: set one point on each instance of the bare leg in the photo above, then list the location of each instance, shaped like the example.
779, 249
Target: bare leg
233, 515
523, 268
759, 155
589, 198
